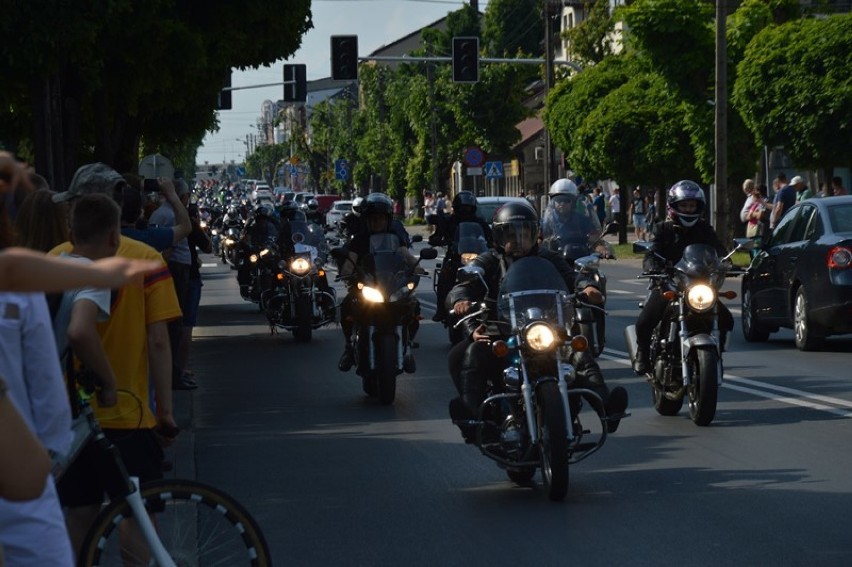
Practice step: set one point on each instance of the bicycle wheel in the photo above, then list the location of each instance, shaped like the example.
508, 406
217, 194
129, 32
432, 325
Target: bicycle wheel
198, 525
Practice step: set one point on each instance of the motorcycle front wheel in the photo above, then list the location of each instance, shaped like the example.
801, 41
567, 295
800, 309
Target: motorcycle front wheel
385, 371
553, 440
662, 404
304, 315
704, 391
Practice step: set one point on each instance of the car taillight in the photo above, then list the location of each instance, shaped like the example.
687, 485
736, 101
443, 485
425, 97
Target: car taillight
840, 257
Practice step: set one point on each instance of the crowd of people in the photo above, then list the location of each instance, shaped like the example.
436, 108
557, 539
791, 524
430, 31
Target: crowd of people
110, 301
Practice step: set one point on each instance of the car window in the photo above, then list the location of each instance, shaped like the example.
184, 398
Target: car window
784, 230
840, 217
800, 225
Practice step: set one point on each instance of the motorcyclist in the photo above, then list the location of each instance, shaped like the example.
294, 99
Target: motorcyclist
464, 210
568, 218
351, 221
472, 362
376, 213
313, 213
260, 230
685, 205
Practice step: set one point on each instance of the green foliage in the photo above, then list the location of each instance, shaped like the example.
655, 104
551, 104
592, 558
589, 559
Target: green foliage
794, 89
590, 42
513, 27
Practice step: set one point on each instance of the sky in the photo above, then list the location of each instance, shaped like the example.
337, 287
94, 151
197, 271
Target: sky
375, 22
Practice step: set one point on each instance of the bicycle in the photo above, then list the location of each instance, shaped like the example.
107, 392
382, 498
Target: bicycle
193, 523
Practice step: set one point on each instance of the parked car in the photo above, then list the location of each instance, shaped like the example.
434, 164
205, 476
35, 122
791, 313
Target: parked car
487, 206
302, 198
337, 212
261, 191
801, 276
279, 193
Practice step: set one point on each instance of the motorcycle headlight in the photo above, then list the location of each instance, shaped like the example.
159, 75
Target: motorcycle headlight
214, 232
468, 257
203, 224
264, 252
539, 337
229, 242
372, 295
253, 258
300, 266
701, 297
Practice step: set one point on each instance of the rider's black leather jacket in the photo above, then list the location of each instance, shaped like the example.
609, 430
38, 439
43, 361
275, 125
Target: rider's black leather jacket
494, 263
671, 240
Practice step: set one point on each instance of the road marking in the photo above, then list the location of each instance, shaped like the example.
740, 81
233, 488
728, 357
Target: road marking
776, 393
209, 265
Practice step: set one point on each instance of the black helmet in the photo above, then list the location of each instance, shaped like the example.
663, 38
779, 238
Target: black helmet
464, 204
515, 227
313, 205
262, 212
287, 206
377, 204
679, 193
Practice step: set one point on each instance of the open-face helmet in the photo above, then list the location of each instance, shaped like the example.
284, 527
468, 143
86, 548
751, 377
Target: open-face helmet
464, 204
515, 229
357, 203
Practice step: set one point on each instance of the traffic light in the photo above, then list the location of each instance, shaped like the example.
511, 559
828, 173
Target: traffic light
344, 57
223, 102
295, 83
465, 59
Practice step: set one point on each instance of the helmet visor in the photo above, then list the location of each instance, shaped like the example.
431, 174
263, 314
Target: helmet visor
517, 237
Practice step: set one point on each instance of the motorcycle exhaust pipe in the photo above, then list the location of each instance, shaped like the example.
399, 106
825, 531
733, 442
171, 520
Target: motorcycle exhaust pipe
630, 340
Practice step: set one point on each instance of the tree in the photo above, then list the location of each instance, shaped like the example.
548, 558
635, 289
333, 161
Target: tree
98, 78
591, 41
793, 89
512, 27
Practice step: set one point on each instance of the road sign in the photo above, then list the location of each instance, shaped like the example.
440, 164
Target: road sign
293, 169
341, 169
494, 170
474, 171
473, 157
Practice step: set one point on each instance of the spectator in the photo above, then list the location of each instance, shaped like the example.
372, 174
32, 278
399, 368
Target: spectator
837, 187
748, 190
179, 261
440, 207
24, 462
638, 212
40, 223
803, 192
615, 205
133, 200
599, 203
137, 345
198, 239
429, 210
32, 532
757, 215
785, 198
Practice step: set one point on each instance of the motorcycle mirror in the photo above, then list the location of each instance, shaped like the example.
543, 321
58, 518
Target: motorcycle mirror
417, 238
611, 228
428, 254
642, 246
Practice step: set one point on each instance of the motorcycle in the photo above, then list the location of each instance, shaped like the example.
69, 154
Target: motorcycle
298, 298
535, 403
584, 251
384, 312
686, 355
230, 243
468, 243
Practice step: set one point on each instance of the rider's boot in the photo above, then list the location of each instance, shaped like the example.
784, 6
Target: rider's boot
641, 364
615, 406
347, 359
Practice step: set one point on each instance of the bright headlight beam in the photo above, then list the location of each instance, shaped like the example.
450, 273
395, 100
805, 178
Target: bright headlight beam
372, 295
701, 297
539, 337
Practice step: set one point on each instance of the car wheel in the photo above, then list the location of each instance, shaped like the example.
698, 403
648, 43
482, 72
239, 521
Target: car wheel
752, 331
807, 338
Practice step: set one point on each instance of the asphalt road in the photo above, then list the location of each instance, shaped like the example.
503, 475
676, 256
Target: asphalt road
335, 478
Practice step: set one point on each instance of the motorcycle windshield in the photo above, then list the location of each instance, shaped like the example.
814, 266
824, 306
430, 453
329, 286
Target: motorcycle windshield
699, 261
532, 289
308, 238
470, 238
571, 220
386, 263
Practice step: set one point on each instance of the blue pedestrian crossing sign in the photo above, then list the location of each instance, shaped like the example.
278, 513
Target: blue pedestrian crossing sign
493, 169
341, 169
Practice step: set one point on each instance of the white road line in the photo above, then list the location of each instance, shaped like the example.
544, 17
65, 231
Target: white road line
763, 390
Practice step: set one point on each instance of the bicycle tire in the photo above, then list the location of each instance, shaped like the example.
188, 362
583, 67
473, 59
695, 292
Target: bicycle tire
199, 525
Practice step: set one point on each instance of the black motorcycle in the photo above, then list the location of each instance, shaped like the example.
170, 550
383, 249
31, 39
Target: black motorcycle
298, 298
468, 243
535, 403
685, 353
584, 250
384, 312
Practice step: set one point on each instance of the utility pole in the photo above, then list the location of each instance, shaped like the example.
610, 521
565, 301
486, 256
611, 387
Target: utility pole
718, 196
550, 8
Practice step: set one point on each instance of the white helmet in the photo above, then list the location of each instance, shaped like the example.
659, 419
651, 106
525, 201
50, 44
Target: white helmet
563, 187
